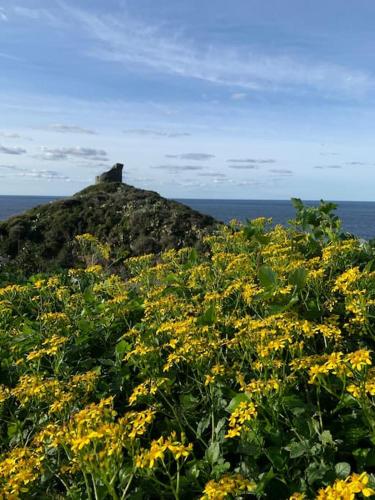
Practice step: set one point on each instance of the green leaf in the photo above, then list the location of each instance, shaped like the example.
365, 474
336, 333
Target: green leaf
298, 277
208, 317
342, 470
326, 438
106, 362
297, 203
122, 347
193, 256
220, 468
213, 452
267, 277
316, 472
203, 425
297, 449
188, 401
85, 325
295, 404
239, 398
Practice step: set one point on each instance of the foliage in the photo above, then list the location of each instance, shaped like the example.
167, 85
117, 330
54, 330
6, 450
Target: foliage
131, 220
243, 371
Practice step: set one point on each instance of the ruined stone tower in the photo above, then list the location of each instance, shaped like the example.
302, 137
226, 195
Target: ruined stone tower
112, 175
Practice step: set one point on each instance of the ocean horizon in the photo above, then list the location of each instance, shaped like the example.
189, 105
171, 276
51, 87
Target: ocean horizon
358, 216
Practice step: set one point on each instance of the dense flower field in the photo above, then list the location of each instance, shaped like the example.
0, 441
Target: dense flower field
243, 370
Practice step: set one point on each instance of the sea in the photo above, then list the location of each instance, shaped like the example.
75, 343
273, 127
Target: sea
358, 216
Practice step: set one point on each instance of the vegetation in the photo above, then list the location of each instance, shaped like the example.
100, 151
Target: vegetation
241, 370
132, 220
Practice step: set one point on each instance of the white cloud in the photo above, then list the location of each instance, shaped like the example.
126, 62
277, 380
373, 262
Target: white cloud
34, 14
74, 152
13, 135
244, 167
3, 16
49, 175
179, 168
323, 167
11, 150
33, 173
154, 133
10, 167
213, 174
238, 96
192, 156
251, 160
70, 129
138, 45
281, 171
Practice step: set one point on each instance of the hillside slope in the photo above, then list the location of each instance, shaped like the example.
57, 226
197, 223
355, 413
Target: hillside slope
132, 220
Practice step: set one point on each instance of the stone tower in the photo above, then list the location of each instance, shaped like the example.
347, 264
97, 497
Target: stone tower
112, 175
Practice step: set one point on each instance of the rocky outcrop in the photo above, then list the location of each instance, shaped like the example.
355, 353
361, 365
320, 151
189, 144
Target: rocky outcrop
112, 175
132, 220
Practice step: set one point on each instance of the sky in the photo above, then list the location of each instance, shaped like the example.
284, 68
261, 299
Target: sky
249, 99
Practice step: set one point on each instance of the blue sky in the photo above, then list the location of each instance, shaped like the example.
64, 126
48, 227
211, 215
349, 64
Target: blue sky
200, 99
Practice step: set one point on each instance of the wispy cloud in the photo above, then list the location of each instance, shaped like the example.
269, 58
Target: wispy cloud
71, 153
248, 183
3, 16
192, 156
179, 168
34, 13
251, 160
212, 174
70, 129
357, 163
13, 135
324, 167
244, 167
281, 171
49, 175
154, 133
138, 45
6, 150
238, 96
10, 167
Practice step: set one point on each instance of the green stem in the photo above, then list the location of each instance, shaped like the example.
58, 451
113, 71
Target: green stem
88, 490
127, 487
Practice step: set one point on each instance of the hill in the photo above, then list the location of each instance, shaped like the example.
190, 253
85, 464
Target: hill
133, 221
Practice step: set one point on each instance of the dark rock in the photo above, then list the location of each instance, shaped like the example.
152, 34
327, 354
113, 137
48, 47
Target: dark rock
112, 175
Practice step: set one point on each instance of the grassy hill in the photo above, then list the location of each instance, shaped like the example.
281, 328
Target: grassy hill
131, 220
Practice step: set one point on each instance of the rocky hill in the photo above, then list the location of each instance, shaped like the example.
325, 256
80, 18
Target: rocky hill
132, 220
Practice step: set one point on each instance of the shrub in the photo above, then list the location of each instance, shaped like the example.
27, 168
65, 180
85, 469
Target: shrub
242, 370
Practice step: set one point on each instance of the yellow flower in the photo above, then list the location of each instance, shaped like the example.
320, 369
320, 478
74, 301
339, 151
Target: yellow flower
240, 417
228, 484
346, 489
148, 458
359, 359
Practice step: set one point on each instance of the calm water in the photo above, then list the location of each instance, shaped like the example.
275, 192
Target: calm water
358, 217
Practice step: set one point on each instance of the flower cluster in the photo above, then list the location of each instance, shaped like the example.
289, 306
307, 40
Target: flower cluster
243, 368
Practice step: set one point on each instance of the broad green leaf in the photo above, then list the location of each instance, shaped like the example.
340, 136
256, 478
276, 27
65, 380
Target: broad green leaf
213, 452
298, 277
297, 449
122, 347
326, 438
342, 470
267, 277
